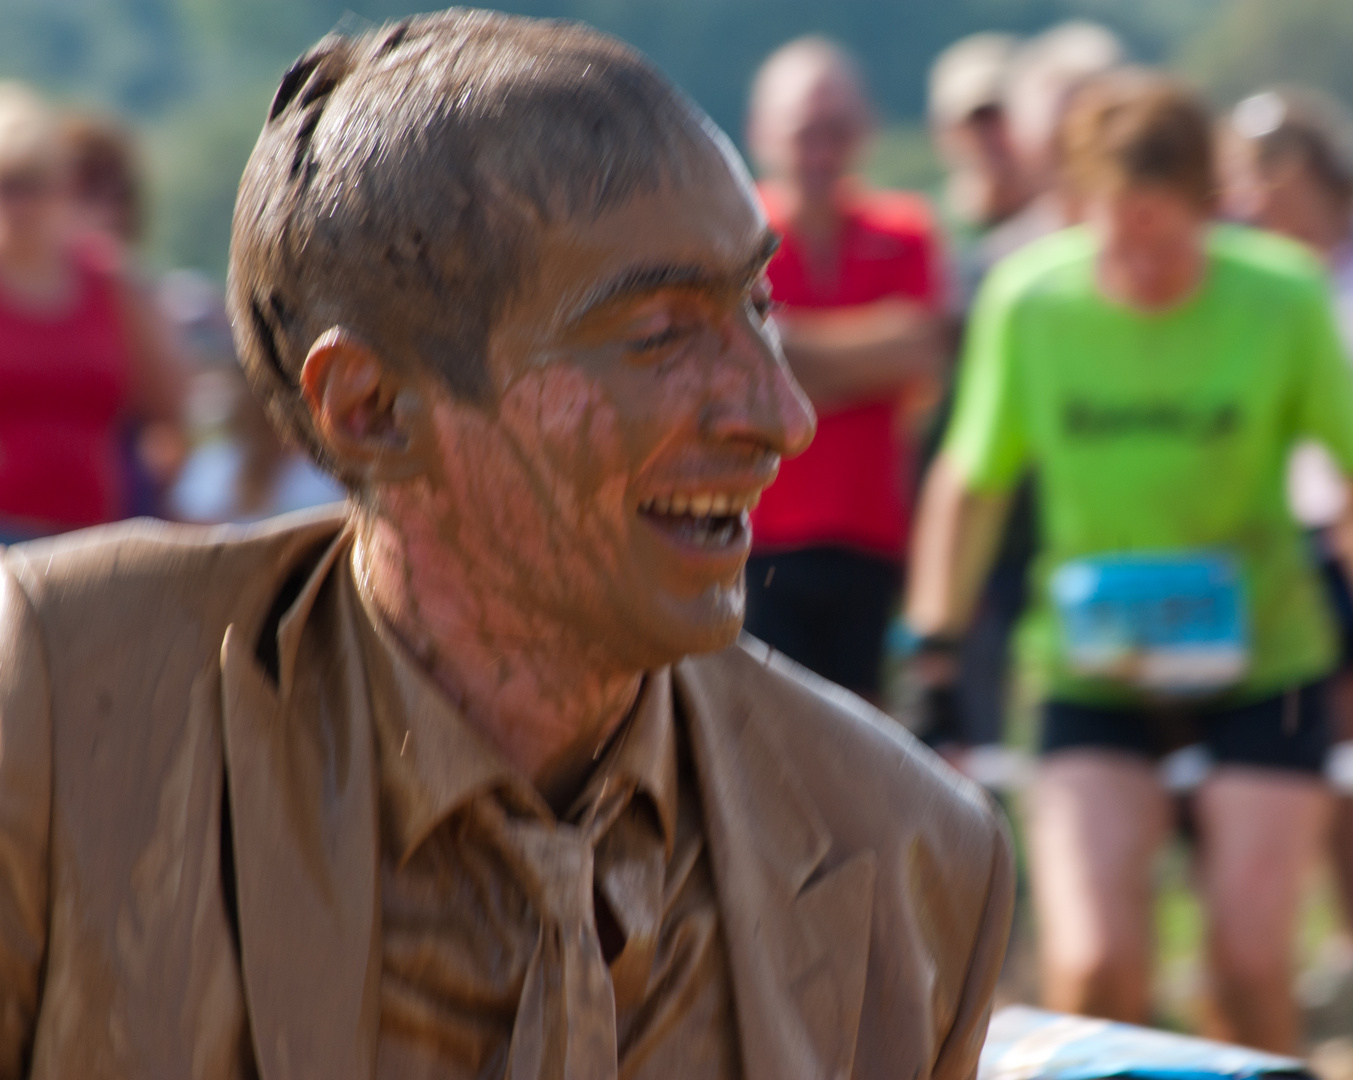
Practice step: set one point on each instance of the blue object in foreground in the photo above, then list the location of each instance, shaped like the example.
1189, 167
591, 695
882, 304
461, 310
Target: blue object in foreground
1031, 1044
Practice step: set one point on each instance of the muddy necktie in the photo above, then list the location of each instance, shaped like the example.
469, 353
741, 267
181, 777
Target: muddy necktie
565, 1026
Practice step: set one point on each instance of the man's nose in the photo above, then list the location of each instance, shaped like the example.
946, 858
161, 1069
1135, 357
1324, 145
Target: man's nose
756, 397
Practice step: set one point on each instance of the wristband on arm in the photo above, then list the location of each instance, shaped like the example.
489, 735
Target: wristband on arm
905, 643
938, 715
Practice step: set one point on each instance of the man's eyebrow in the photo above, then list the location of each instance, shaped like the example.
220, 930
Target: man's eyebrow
642, 280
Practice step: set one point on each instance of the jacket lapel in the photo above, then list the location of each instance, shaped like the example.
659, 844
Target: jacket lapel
302, 786
798, 941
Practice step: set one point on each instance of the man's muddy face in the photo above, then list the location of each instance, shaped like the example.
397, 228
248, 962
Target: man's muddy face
643, 404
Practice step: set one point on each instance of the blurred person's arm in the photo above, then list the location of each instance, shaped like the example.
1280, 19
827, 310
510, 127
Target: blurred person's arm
954, 543
1324, 402
957, 533
159, 383
964, 503
967, 493
869, 351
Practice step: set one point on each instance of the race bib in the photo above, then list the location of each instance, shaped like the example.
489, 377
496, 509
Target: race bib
1164, 623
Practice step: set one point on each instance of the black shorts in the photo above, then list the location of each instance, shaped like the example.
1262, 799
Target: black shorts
1289, 731
827, 608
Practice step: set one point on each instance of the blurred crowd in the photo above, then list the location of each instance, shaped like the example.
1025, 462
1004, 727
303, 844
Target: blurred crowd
1076, 426
119, 396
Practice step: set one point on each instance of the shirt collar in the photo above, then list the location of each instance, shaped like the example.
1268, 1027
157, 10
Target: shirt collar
433, 762
643, 756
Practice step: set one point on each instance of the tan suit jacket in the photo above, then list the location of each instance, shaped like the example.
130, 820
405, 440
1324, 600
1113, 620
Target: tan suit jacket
189, 866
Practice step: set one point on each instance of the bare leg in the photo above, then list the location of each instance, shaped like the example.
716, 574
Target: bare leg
1097, 819
1341, 844
1341, 848
1261, 831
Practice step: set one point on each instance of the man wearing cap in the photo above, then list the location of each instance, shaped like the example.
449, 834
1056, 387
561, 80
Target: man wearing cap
986, 184
1044, 76
470, 778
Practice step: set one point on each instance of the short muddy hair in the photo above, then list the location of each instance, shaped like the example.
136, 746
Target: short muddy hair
402, 176
1138, 128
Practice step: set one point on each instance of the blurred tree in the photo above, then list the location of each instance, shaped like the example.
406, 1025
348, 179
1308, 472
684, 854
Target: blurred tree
194, 70
129, 54
903, 156
197, 154
1254, 43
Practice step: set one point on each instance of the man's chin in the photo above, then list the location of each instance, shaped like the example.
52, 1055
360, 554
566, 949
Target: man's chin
685, 626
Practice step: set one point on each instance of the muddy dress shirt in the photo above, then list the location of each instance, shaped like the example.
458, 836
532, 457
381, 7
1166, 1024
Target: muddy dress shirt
521, 945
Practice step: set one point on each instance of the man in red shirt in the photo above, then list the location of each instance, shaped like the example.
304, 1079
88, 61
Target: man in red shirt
858, 282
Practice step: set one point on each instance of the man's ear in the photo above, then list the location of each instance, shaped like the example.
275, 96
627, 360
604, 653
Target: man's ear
374, 422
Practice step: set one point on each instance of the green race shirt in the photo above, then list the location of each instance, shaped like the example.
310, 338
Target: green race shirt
1161, 432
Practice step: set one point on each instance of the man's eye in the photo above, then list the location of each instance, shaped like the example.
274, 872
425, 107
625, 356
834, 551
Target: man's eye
653, 342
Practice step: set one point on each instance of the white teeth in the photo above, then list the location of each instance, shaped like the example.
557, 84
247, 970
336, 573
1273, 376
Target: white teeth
702, 504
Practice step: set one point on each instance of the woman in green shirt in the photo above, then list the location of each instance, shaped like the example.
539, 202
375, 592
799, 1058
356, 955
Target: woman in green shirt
1152, 371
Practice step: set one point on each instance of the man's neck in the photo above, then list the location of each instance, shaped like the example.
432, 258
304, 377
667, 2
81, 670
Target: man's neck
35, 277
816, 221
544, 699
1332, 242
814, 218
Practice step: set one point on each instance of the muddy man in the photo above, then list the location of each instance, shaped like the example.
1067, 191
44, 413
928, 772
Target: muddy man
471, 777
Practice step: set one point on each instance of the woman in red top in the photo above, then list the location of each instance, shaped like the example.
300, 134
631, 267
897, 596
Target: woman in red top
78, 351
857, 285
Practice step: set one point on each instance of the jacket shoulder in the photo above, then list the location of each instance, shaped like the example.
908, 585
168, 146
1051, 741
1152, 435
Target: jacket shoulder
867, 772
943, 883
129, 578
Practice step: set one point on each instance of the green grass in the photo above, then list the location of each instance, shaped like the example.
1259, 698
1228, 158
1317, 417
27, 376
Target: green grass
1179, 942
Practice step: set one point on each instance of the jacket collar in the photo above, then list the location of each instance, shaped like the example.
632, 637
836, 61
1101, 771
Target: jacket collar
303, 787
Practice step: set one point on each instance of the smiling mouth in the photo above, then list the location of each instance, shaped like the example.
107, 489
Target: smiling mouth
704, 519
